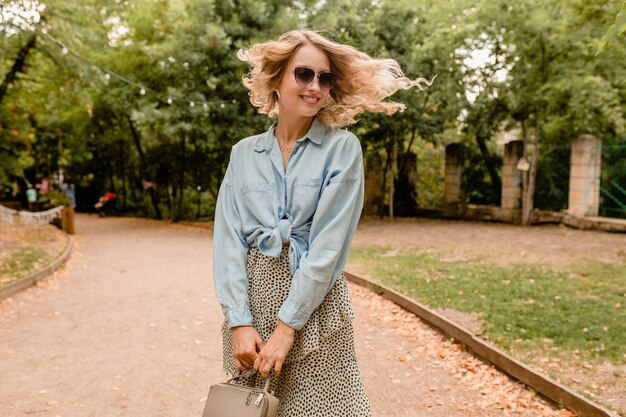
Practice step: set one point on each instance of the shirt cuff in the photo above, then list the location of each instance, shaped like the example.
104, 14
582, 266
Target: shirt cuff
292, 316
239, 316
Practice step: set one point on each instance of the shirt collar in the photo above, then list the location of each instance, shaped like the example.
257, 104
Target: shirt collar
316, 134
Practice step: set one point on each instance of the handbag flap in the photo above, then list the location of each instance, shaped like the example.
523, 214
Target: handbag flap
229, 400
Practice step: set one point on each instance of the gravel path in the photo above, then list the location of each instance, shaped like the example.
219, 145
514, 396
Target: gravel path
130, 327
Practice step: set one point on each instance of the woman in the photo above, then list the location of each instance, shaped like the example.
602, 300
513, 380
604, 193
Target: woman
285, 217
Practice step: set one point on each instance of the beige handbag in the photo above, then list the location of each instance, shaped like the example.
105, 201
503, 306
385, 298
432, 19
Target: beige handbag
231, 400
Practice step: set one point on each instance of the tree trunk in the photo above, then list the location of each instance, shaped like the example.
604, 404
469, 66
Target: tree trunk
142, 168
405, 158
123, 169
18, 65
392, 179
196, 158
112, 177
524, 173
215, 190
383, 185
530, 195
181, 179
169, 191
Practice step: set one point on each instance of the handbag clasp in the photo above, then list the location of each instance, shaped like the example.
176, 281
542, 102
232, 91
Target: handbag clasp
250, 395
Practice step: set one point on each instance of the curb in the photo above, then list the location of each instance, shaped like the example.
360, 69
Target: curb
9, 289
556, 392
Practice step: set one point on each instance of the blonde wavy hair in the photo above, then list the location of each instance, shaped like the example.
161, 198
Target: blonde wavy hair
362, 82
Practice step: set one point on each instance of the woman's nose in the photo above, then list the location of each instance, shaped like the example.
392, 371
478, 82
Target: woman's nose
315, 83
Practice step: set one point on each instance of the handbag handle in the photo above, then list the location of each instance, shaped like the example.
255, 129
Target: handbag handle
251, 372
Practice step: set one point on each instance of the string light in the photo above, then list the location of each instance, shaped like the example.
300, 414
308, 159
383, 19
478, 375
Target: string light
108, 73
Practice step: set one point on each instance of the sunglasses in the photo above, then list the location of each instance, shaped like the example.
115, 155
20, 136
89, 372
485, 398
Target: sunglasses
304, 76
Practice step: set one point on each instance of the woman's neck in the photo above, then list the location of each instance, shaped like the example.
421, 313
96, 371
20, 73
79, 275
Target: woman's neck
288, 131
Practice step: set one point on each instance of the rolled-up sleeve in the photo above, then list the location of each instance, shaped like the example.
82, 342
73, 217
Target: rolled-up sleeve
332, 229
230, 254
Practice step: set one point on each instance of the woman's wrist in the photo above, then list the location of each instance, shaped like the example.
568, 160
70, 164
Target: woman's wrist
284, 328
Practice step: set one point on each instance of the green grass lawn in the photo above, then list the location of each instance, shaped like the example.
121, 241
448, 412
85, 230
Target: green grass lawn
21, 262
581, 310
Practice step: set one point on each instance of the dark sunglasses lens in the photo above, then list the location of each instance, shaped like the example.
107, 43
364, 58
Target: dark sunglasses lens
327, 80
304, 76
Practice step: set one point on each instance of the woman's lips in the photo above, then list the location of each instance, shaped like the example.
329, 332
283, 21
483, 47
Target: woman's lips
310, 99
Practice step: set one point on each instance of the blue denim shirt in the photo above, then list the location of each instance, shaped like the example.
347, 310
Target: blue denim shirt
315, 206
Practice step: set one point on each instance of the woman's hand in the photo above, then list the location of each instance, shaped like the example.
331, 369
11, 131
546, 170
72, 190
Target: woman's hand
246, 343
273, 355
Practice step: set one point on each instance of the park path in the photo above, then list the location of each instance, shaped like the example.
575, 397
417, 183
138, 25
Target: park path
130, 327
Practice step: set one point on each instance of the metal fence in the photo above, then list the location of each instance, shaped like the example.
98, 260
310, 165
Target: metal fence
613, 181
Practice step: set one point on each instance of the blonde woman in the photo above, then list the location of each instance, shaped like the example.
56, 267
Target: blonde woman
285, 217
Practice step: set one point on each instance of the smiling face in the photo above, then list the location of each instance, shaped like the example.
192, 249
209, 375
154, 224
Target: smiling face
296, 101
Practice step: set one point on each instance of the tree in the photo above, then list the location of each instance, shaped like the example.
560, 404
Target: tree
552, 79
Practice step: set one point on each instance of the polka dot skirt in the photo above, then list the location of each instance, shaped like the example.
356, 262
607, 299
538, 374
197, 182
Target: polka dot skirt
320, 377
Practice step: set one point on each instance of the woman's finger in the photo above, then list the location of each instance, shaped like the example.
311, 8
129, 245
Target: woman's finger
247, 360
266, 369
239, 365
258, 342
257, 363
278, 366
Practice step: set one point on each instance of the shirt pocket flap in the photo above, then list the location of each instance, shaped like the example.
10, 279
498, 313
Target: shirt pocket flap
259, 187
307, 182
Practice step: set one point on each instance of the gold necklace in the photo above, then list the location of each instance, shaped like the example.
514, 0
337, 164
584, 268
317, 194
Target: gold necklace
284, 149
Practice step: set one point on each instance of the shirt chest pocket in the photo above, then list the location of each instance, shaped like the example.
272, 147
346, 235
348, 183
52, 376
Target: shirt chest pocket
258, 198
306, 195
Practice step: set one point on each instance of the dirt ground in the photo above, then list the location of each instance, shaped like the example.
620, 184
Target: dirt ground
131, 327
502, 244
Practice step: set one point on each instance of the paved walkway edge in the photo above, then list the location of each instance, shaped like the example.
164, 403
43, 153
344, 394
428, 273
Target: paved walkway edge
558, 393
9, 289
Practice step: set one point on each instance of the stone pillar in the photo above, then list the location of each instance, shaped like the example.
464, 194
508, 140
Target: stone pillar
584, 177
511, 201
453, 186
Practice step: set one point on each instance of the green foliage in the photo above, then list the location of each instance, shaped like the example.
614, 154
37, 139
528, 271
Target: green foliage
476, 182
553, 176
616, 29
61, 112
55, 198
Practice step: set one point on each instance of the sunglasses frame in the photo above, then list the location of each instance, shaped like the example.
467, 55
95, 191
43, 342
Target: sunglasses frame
319, 75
